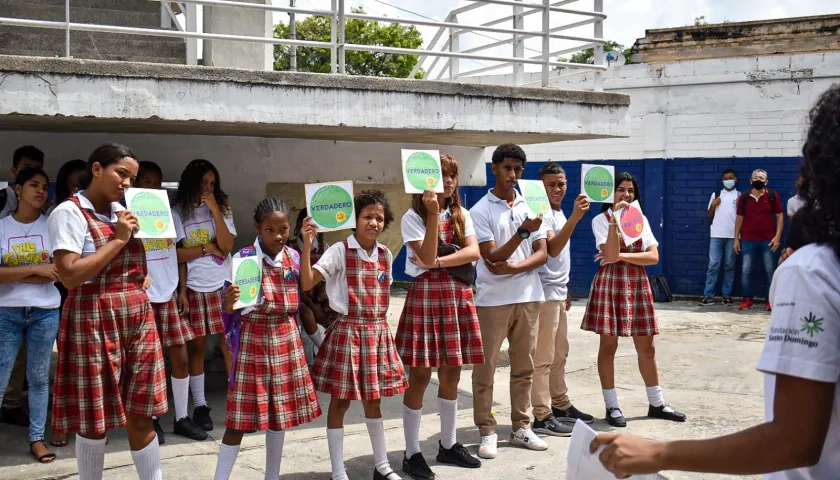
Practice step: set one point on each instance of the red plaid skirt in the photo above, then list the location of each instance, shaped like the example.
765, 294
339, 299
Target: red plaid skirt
205, 315
621, 303
438, 325
272, 388
358, 361
110, 361
173, 329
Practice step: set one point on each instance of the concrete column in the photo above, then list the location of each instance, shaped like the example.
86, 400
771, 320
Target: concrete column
239, 21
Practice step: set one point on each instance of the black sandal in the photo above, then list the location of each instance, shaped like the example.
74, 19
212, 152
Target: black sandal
45, 458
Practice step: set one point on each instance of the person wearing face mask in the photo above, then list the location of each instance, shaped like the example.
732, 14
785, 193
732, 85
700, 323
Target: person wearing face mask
758, 234
721, 212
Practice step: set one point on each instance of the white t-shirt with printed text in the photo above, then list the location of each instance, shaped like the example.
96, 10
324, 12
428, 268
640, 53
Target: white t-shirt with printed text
333, 267
162, 264
207, 273
26, 245
555, 273
414, 229
723, 225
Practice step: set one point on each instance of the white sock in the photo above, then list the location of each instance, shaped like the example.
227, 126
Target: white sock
411, 429
147, 461
448, 412
376, 432
611, 400
656, 398
197, 388
181, 395
318, 337
273, 453
224, 464
90, 458
335, 440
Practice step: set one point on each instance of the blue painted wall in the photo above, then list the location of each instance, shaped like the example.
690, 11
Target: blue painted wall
674, 195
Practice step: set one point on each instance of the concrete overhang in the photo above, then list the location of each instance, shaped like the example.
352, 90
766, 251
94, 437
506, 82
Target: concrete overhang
69, 95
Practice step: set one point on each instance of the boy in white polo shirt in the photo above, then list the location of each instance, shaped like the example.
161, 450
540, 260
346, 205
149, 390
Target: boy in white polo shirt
509, 293
721, 213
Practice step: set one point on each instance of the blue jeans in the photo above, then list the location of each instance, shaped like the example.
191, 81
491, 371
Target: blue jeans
752, 253
38, 327
720, 249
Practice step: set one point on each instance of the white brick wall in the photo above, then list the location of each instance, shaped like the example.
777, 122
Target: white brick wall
712, 108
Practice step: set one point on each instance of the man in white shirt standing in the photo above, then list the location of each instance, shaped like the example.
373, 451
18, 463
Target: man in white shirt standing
722, 213
509, 294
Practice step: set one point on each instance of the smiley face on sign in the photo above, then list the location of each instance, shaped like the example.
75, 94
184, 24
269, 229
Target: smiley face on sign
632, 223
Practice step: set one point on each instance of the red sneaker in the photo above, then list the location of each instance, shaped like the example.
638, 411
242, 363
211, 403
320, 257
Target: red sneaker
768, 307
745, 304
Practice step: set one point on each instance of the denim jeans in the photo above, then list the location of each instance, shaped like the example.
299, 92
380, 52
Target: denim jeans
720, 249
754, 252
38, 327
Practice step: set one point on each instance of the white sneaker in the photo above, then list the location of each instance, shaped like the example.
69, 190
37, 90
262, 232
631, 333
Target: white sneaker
488, 448
528, 439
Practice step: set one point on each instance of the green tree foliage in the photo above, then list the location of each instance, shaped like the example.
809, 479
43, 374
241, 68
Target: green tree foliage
588, 55
363, 32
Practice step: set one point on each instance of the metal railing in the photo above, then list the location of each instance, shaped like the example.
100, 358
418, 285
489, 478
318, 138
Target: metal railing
171, 11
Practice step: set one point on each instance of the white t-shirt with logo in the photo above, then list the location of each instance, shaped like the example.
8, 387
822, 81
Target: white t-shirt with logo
162, 264
803, 341
414, 230
25, 245
723, 225
555, 273
207, 273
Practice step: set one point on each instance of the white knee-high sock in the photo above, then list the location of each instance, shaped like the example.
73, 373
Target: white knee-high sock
448, 414
273, 453
181, 396
411, 430
376, 431
147, 461
90, 458
656, 398
197, 388
335, 439
224, 464
611, 400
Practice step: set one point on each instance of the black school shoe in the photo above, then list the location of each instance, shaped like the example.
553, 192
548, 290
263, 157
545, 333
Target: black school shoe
619, 421
417, 468
571, 415
660, 413
159, 431
185, 427
458, 456
391, 476
201, 417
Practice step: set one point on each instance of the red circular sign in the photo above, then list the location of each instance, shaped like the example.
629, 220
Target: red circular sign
632, 222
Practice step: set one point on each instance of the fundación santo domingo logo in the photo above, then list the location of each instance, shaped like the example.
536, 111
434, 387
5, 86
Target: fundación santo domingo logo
811, 324
248, 278
332, 206
152, 214
422, 171
598, 184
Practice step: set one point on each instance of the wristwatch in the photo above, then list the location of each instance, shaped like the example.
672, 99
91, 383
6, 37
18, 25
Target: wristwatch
523, 234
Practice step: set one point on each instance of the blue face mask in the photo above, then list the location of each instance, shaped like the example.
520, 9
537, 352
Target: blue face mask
729, 184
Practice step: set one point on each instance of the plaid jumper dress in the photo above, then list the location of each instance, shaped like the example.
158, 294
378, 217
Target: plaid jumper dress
173, 329
620, 300
110, 360
439, 325
358, 360
272, 388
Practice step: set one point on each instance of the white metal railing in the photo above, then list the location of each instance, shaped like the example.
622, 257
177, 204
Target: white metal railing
337, 45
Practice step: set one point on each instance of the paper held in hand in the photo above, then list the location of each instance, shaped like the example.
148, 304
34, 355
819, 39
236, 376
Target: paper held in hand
598, 182
585, 466
331, 205
421, 171
631, 223
151, 207
247, 274
535, 196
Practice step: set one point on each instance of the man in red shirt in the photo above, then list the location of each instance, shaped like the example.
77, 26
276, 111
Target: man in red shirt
758, 233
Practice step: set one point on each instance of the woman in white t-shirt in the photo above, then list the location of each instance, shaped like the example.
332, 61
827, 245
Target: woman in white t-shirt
29, 300
800, 439
206, 223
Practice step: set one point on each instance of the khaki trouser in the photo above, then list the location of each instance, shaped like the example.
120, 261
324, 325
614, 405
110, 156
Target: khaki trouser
549, 388
517, 323
14, 398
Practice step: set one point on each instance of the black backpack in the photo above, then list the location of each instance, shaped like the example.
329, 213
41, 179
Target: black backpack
717, 195
661, 290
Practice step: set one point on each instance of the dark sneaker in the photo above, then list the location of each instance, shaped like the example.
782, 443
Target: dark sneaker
159, 431
727, 301
15, 416
201, 417
662, 414
458, 456
571, 415
619, 421
417, 468
550, 426
185, 427
707, 301
746, 303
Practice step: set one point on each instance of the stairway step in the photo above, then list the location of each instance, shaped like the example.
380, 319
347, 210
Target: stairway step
90, 45
144, 6
99, 16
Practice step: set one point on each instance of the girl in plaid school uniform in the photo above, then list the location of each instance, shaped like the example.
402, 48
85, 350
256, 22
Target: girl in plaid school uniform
439, 325
621, 303
110, 366
358, 359
204, 216
270, 385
